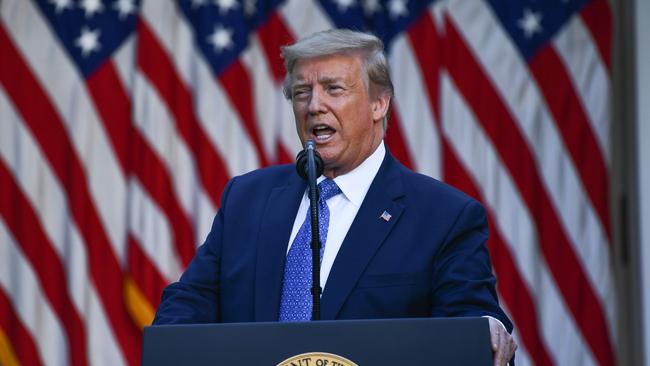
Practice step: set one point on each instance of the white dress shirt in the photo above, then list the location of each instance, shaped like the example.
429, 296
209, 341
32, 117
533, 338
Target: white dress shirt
343, 207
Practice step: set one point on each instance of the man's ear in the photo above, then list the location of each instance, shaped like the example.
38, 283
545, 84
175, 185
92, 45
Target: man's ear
380, 106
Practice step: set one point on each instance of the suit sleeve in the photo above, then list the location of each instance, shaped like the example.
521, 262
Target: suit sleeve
463, 283
195, 297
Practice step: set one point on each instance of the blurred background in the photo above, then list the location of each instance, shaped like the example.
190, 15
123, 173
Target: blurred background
122, 120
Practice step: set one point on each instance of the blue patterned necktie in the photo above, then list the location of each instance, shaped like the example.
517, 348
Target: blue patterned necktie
296, 302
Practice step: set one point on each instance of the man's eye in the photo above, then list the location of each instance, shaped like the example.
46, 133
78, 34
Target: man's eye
300, 94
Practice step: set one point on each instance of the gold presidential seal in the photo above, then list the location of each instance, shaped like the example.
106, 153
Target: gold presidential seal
317, 359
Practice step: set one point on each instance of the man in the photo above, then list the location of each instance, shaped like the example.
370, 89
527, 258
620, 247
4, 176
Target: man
396, 243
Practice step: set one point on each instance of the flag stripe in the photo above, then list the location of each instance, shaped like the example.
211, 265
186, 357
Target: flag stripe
598, 17
153, 232
283, 155
21, 220
47, 128
274, 34
289, 143
158, 69
499, 125
415, 114
97, 331
589, 76
68, 96
115, 109
427, 47
514, 293
267, 98
236, 82
159, 186
395, 139
520, 94
515, 224
30, 169
573, 126
145, 274
157, 127
21, 342
304, 17
20, 284
136, 157
511, 287
217, 117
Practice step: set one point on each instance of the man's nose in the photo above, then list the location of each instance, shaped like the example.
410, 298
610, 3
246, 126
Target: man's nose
316, 102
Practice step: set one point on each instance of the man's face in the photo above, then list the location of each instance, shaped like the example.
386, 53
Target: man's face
332, 106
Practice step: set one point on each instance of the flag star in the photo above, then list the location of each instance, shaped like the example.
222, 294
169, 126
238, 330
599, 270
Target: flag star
249, 7
531, 23
197, 3
221, 38
397, 8
91, 7
61, 5
371, 6
88, 41
344, 5
226, 5
124, 7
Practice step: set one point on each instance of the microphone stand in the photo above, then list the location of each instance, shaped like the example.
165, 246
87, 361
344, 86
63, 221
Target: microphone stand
310, 167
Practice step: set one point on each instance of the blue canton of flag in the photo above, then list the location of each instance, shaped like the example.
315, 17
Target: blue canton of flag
531, 24
93, 30
223, 27
386, 19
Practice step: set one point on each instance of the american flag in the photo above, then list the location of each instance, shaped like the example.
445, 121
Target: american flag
122, 120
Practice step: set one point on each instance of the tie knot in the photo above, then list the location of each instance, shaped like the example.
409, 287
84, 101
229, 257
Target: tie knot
328, 189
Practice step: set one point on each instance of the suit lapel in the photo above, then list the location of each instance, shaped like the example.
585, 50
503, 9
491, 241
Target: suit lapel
273, 240
365, 236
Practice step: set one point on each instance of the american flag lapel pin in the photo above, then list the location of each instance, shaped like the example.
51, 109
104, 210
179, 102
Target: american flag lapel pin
385, 216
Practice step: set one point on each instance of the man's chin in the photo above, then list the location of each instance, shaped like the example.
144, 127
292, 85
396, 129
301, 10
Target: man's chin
328, 154
329, 164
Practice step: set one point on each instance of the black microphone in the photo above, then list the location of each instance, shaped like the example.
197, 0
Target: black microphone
302, 161
310, 166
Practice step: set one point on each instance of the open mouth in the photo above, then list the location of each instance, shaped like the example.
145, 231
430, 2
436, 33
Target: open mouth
322, 133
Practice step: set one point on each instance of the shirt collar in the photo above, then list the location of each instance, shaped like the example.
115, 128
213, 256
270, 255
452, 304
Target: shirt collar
355, 184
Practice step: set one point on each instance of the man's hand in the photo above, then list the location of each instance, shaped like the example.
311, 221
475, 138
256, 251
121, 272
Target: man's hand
503, 344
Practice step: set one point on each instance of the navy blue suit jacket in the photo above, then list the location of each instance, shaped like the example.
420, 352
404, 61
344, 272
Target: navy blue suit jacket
429, 259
